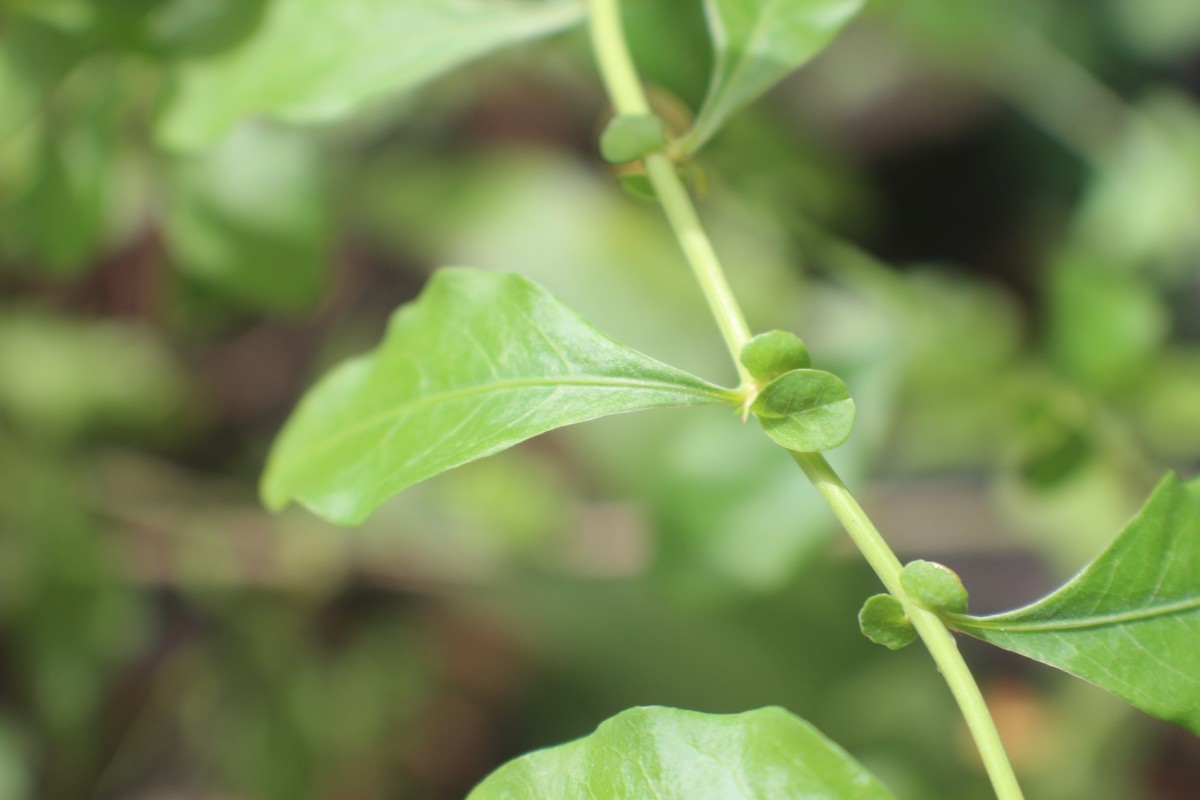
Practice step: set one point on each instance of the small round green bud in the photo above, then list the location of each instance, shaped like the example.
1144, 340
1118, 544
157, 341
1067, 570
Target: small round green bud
632, 136
883, 621
934, 587
769, 355
808, 410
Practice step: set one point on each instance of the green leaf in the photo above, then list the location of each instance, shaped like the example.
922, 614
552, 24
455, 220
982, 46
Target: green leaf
314, 60
1130, 621
806, 409
631, 136
248, 218
479, 362
883, 621
670, 754
756, 43
769, 355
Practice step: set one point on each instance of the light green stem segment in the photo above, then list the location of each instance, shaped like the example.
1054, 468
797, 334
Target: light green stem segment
700, 255
937, 639
620, 79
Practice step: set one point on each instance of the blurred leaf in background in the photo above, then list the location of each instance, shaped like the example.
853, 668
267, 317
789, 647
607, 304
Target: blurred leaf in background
1143, 206
57, 212
249, 219
63, 378
398, 45
70, 620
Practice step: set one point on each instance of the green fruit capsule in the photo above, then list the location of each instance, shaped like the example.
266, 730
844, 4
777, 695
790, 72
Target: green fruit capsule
769, 355
934, 587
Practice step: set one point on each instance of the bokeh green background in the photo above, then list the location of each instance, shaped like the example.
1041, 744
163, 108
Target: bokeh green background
984, 215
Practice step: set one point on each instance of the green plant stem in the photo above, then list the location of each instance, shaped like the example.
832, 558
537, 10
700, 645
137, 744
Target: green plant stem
700, 255
625, 90
621, 81
938, 640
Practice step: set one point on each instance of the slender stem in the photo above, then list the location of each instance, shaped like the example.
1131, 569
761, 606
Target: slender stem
700, 254
933, 633
616, 65
620, 79
623, 86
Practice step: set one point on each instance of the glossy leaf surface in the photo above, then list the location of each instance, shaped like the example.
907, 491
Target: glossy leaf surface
320, 59
670, 754
756, 43
1130, 621
479, 362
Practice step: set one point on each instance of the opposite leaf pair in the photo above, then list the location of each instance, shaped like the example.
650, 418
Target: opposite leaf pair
803, 409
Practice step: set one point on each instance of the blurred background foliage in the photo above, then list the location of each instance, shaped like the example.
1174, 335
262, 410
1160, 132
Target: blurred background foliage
984, 215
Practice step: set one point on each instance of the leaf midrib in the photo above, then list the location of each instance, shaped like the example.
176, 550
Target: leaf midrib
967, 624
715, 394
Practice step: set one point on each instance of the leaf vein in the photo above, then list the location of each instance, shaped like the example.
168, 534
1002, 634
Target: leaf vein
419, 403
1143, 614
